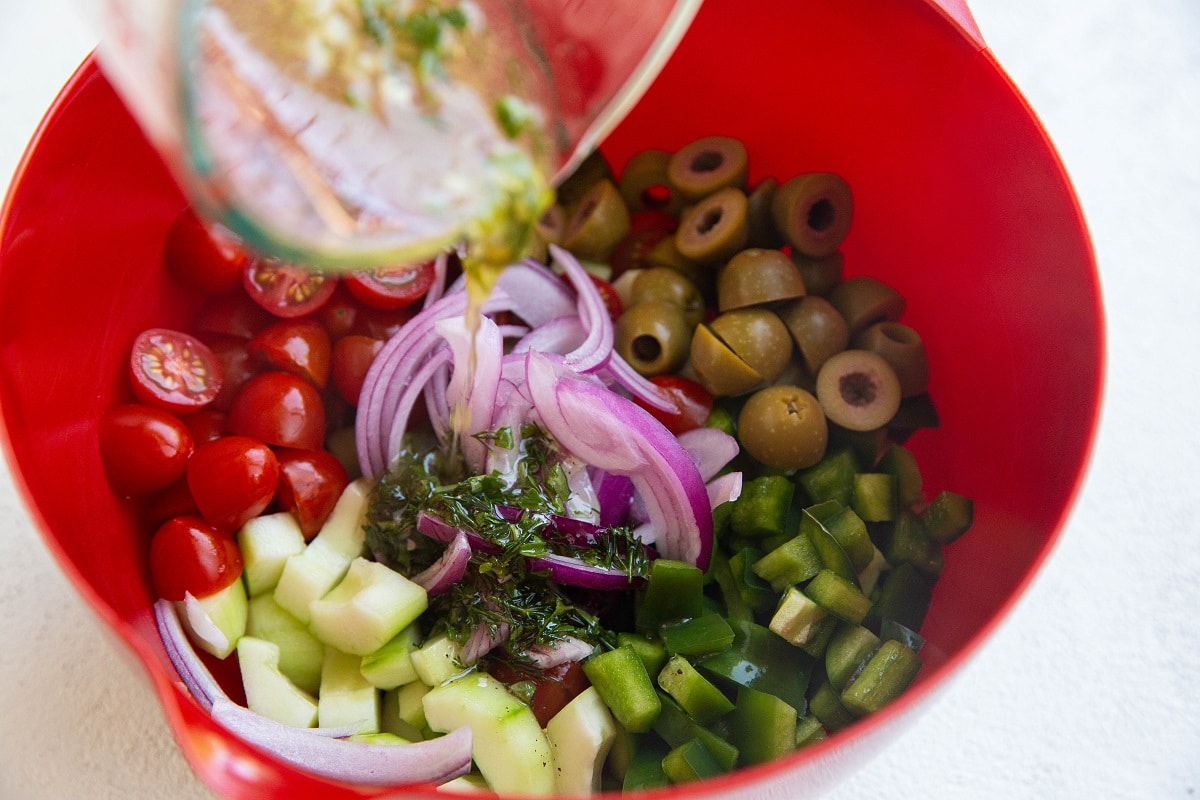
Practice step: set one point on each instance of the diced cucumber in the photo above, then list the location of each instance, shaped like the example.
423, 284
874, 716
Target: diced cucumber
309, 575
268, 692
300, 653
868, 576
390, 720
410, 707
436, 661
848, 651
581, 735
346, 697
218, 620
267, 542
391, 665
471, 783
509, 747
809, 730
367, 609
378, 738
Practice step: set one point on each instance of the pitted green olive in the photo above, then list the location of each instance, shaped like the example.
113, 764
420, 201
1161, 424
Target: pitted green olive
644, 185
593, 168
762, 230
900, 346
813, 212
758, 337
653, 337
711, 231
708, 165
662, 283
858, 390
547, 231
600, 220
862, 301
817, 328
718, 368
757, 276
820, 274
783, 427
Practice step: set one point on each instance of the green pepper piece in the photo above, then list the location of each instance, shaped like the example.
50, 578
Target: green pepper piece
764, 727
850, 647
757, 594
848, 528
723, 420
762, 508
798, 617
701, 700
875, 496
708, 633
839, 596
833, 556
831, 478
910, 543
793, 562
817, 643
736, 608
809, 730
760, 659
898, 461
677, 728
883, 679
645, 769
649, 649
904, 597
826, 705
625, 687
689, 762
674, 591
948, 516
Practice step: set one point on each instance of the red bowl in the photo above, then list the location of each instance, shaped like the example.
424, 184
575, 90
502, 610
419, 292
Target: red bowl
961, 203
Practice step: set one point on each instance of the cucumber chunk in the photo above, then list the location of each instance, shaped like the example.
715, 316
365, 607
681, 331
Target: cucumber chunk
216, 621
367, 609
391, 665
581, 736
346, 697
268, 692
267, 542
300, 653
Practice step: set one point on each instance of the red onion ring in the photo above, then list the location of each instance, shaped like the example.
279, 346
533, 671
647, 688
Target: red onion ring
710, 449
593, 353
567, 649
448, 569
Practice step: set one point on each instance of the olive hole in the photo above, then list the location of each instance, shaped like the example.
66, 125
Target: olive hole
857, 389
707, 161
646, 348
821, 215
581, 215
709, 221
656, 196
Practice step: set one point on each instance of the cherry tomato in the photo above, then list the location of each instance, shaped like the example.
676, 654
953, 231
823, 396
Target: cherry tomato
345, 315
646, 229
237, 367
693, 403
286, 290
299, 346
189, 556
206, 424
173, 371
143, 449
390, 288
555, 687
232, 480
281, 409
173, 501
233, 314
310, 483
352, 357
200, 259
612, 301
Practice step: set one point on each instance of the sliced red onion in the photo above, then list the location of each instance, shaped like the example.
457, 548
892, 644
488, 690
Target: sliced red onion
438, 287
614, 493
398, 424
473, 390
593, 353
560, 335
573, 572
724, 488
538, 294
192, 671
448, 569
480, 642
564, 651
710, 449
442, 531
615, 434
618, 371
432, 761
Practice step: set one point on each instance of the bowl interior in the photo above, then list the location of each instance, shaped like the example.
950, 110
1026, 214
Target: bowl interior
961, 204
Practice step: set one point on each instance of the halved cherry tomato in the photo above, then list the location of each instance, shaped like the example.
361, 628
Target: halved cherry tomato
299, 346
237, 367
310, 483
233, 314
173, 501
281, 409
555, 687
612, 301
352, 357
390, 288
189, 556
693, 403
200, 259
345, 315
173, 371
232, 480
206, 424
646, 229
286, 290
143, 449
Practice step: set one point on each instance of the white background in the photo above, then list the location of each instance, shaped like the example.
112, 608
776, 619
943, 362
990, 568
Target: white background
1091, 688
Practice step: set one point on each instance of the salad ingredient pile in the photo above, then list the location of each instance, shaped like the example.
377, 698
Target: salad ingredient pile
650, 519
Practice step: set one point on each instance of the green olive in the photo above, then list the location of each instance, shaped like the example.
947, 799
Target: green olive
547, 231
757, 276
600, 221
820, 274
718, 368
644, 185
758, 337
783, 427
858, 390
592, 169
817, 328
715, 228
862, 301
813, 212
708, 165
663, 283
653, 337
666, 254
900, 346
763, 232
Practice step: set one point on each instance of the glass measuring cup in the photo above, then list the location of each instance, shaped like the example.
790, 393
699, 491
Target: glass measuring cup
365, 133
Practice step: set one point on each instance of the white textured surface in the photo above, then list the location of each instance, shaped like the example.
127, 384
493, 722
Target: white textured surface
1090, 689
